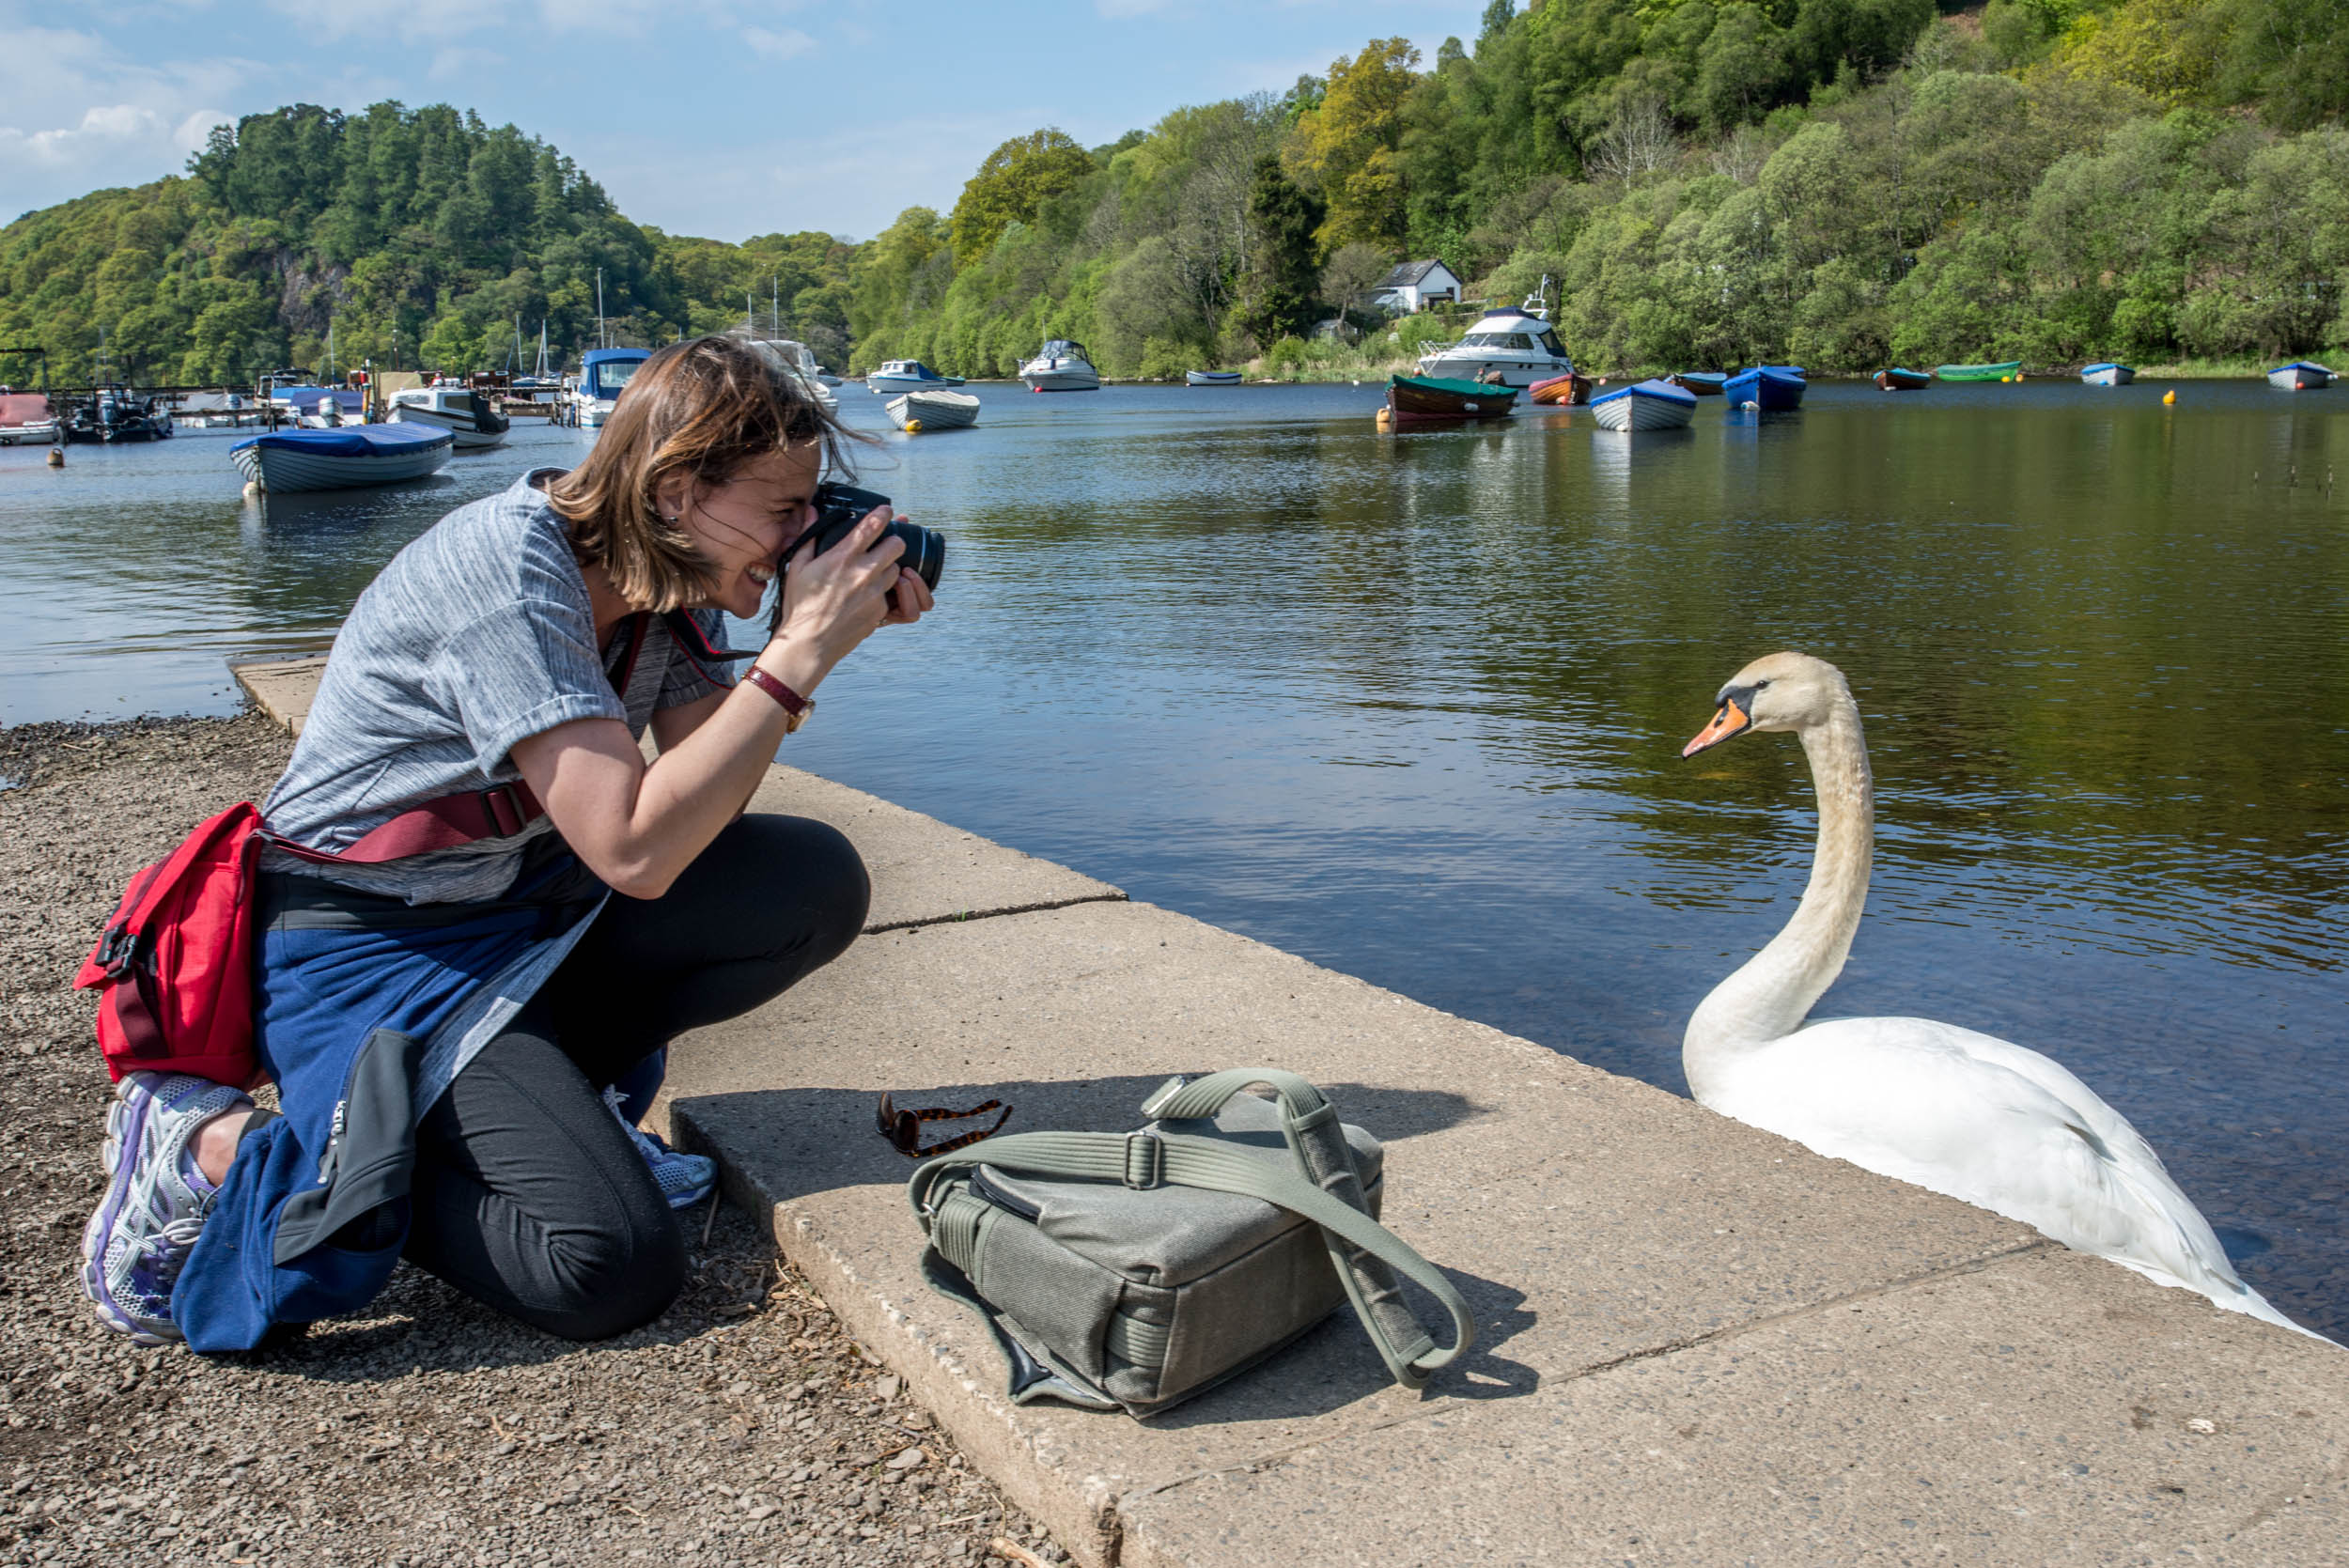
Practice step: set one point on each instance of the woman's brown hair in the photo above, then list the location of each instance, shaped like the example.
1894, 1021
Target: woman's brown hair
702, 408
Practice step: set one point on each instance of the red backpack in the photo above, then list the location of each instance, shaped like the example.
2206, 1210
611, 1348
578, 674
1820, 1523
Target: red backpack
174, 966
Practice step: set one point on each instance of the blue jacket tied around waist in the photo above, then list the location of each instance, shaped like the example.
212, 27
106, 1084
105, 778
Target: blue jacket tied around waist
349, 1023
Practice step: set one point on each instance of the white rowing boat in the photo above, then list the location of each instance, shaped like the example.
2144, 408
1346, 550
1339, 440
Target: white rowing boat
933, 411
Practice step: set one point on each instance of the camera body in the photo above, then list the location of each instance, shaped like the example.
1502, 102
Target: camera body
841, 507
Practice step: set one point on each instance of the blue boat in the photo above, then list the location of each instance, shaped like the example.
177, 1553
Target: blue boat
1772, 388
1705, 383
2300, 376
909, 375
1644, 406
2107, 374
353, 456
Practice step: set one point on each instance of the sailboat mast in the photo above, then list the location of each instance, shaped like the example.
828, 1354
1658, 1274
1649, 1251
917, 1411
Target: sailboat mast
600, 338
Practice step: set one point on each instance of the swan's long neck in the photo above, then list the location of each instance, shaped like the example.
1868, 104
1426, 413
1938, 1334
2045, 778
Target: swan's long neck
1769, 996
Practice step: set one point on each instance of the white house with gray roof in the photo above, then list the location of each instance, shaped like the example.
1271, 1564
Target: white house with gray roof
1413, 285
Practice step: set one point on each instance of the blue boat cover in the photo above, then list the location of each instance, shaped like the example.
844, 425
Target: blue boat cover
353, 441
1649, 389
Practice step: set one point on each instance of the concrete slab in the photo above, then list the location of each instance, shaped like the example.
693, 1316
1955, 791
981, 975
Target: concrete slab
2049, 1410
1595, 1223
282, 687
923, 869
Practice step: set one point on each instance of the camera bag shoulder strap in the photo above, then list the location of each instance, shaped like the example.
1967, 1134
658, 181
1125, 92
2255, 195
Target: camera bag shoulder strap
1368, 1255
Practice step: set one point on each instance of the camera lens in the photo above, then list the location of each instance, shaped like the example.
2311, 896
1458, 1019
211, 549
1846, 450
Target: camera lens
841, 507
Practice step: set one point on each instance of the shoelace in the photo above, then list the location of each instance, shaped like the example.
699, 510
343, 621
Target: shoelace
169, 1249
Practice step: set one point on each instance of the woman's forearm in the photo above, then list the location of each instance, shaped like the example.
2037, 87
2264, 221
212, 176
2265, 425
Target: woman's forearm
636, 825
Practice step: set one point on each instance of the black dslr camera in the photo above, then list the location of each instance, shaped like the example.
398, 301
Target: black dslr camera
841, 507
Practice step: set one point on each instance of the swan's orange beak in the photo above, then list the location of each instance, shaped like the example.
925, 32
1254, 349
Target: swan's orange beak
1730, 721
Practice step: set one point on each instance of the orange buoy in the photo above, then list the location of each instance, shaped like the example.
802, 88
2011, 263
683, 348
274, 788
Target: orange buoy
57, 457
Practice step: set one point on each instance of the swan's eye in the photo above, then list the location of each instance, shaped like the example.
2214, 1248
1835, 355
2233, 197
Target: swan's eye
1761, 686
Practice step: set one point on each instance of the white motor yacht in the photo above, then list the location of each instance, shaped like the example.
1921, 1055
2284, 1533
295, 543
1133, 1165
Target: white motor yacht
458, 409
1061, 365
800, 366
1517, 347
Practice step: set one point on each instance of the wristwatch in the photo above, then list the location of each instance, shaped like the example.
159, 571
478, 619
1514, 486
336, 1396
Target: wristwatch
796, 707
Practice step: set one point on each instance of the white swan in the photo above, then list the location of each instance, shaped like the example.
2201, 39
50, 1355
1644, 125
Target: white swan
1961, 1113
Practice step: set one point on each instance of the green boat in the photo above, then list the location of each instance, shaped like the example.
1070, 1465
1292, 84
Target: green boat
2006, 372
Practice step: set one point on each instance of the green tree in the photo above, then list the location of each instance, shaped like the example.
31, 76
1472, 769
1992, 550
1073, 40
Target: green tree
1278, 299
1350, 147
1012, 186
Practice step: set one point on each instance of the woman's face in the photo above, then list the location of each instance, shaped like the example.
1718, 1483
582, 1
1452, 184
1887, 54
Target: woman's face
746, 527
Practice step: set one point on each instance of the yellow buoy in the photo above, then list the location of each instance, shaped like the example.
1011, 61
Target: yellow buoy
2170, 396
57, 457
2004, 380
913, 427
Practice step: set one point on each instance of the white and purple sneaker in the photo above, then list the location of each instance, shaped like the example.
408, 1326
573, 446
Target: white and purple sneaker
684, 1179
147, 1224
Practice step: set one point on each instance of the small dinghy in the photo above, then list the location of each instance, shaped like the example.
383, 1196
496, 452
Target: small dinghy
1418, 399
2300, 376
1705, 383
1644, 406
2005, 371
2107, 374
1772, 388
1893, 379
1211, 378
342, 460
459, 411
1571, 390
933, 411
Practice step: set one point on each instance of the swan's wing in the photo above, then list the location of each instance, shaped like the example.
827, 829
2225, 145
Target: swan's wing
2051, 1075
1928, 1103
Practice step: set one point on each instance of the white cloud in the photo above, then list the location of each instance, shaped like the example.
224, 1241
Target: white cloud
789, 44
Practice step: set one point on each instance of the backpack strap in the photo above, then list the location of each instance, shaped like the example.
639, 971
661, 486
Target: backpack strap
1310, 1124
498, 812
1148, 1159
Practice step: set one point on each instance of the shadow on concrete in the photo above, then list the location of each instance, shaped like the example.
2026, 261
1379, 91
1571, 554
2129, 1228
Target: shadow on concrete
799, 1142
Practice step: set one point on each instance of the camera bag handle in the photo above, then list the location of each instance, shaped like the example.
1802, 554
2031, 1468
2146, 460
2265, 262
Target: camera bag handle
1366, 1253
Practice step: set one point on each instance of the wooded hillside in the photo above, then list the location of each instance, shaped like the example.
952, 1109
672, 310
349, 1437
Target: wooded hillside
1836, 182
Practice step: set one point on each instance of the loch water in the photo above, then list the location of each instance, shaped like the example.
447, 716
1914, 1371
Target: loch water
1411, 706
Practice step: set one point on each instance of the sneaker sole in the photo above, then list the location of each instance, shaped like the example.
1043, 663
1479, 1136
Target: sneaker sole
126, 1123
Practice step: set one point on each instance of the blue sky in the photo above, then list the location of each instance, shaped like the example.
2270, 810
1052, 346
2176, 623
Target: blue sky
717, 118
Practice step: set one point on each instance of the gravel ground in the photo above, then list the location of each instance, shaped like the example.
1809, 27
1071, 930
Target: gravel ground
742, 1427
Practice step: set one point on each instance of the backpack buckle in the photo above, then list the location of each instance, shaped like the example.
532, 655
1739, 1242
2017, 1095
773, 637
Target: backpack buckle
117, 951
503, 810
1145, 1160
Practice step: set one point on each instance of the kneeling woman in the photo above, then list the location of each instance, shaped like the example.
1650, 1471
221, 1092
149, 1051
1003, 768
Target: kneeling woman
463, 1001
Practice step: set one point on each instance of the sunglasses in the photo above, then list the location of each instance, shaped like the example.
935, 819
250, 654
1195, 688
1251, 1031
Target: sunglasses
903, 1128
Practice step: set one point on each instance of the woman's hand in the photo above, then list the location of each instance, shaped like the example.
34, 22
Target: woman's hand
833, 601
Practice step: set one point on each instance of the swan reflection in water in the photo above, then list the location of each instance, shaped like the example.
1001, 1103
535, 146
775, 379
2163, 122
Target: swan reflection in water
1960, 1112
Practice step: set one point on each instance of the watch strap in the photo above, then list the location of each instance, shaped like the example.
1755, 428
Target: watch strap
792, 703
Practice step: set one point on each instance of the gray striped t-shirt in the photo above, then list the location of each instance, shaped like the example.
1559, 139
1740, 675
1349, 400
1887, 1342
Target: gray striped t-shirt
479, 634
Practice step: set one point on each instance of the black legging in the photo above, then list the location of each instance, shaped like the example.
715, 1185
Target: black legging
528, 1194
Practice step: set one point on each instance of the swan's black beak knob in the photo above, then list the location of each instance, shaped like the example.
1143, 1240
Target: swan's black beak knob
1730, 720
